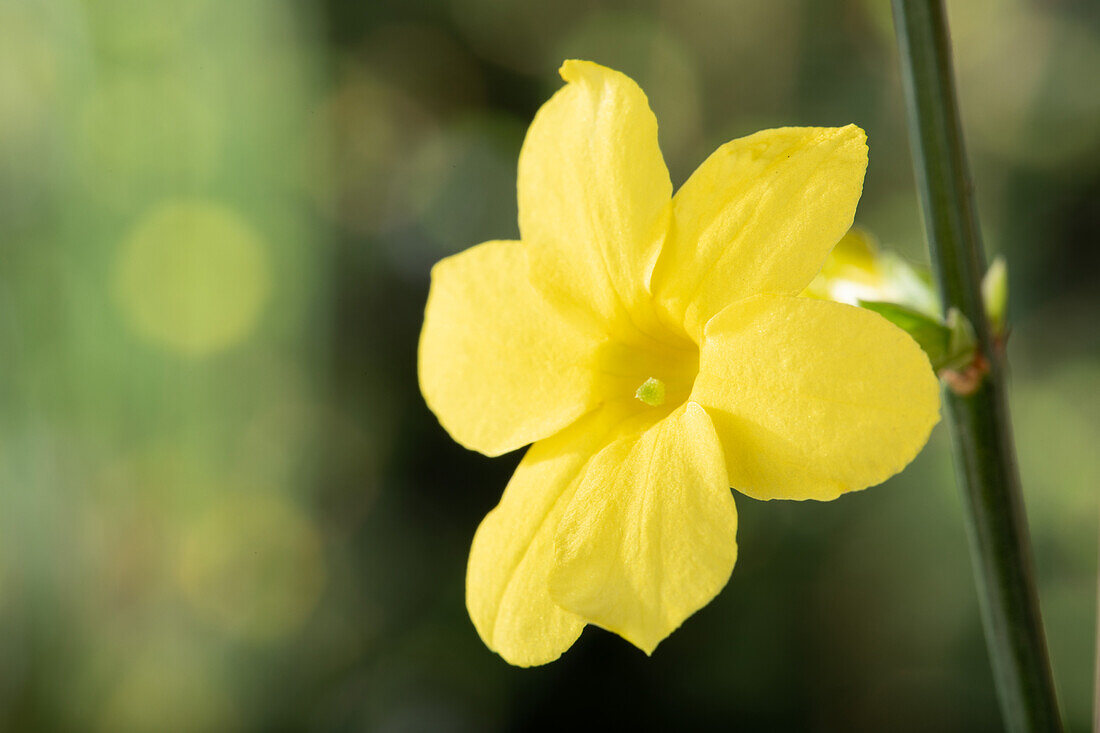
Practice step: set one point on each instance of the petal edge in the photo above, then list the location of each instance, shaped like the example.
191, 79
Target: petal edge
593, 191
813, 399
759, 215
498, 363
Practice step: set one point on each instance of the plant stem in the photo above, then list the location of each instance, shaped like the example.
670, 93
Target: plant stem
979, 421
1096, 671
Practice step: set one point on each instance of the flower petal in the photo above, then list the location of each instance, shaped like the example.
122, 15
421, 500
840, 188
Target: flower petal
649, 536
592, 188
811, 398
499, 365
759, 215
513, 549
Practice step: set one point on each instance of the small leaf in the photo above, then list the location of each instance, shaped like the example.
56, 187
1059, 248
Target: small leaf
962, 343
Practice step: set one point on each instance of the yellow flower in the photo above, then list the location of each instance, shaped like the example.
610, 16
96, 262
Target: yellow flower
654, 350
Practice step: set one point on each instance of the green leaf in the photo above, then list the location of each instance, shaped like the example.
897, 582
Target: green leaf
962, 343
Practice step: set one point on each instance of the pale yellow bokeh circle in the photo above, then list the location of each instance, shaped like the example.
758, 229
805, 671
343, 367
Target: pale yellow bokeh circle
30, 73
253, 566
192, 276
166, 683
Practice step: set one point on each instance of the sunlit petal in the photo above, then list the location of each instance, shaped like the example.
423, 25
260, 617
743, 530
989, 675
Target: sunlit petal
500, 366
758, 216
811, 398
592, 189
513, 550
649, 536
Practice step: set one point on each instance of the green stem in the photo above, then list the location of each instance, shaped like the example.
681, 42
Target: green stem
979, 421
1096, 670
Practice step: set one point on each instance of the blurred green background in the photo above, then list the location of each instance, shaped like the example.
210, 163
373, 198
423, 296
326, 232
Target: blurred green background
223, 503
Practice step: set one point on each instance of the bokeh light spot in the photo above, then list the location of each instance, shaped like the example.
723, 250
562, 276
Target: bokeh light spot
192, 276
252, 565
169, 683
375, 124
461, 182
1028, 98
29, 73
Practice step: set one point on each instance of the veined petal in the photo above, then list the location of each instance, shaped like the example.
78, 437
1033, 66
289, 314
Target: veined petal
758, 216
812, 399
513, 549
649, 536
592, 190
499, 364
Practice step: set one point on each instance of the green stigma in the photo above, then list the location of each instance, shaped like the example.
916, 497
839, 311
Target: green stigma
652, 392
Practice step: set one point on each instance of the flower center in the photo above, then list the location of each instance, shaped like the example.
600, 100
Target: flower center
651, 375
652, 392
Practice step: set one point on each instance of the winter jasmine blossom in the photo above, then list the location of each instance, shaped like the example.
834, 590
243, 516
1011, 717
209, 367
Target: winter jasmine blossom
654, 350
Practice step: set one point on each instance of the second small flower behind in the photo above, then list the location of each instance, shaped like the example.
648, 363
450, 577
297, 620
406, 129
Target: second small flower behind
654, 350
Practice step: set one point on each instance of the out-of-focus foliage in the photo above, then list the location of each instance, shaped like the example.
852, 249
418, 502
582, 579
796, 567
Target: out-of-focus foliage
223, 505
